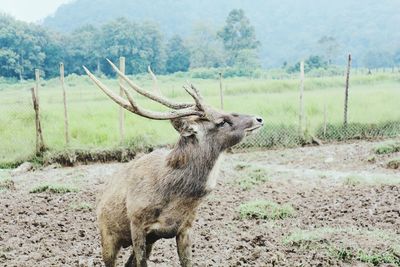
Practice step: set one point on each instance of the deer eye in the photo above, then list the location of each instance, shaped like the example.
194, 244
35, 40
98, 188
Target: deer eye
222, 123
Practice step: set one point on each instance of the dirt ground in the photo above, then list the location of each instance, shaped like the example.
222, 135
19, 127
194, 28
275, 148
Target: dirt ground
346, 203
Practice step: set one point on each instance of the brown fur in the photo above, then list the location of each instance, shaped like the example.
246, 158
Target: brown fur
157, 195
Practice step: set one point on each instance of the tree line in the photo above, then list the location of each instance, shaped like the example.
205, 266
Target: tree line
24, 47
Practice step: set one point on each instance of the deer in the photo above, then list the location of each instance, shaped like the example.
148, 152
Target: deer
156, 196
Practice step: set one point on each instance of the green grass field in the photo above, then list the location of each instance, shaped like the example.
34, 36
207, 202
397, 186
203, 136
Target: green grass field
94, 118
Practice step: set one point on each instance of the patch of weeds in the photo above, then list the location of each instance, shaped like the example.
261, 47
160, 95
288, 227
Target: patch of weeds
255, 177
299, 237
394, 164
81, 206
352, 180
387, 148
54, 188
265, 209
375, 258
341, 253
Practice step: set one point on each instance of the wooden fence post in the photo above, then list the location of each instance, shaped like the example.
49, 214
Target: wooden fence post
325, 118
40, 147
37, 83
221, 92
346, 94
66, 126
301, 100
121, 110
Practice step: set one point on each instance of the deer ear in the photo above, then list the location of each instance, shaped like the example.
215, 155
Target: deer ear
185, 127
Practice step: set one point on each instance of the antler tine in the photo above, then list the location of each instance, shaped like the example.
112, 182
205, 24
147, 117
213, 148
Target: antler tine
194, 96
197, 92
155, 82
194, 92
116, 98
143, 92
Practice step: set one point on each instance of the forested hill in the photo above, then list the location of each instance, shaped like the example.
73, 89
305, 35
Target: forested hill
287, 29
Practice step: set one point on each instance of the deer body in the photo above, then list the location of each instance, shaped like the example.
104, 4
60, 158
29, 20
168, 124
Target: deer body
156, 196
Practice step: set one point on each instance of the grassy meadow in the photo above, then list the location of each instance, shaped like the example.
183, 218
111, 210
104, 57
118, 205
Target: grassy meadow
93, 118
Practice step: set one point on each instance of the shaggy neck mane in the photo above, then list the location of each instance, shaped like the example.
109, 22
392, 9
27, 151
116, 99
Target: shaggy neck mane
189, 165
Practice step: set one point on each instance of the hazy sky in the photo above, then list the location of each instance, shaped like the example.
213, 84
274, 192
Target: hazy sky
30, 10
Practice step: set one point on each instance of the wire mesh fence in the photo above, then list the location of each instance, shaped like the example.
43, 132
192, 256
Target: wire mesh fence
290, 136
16, 120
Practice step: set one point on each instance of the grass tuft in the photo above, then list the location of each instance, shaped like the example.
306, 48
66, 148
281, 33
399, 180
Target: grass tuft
265, 209
54, 188
352, 180
394, 164
81, 206
255, 177
387, 148
375, 258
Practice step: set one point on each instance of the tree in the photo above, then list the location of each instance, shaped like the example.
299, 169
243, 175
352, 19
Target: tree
312, 62
178, 55
23, 48
83, 48
206, 49
140, 44
378, 59
238, 34
150, 50
396, 58
330, 47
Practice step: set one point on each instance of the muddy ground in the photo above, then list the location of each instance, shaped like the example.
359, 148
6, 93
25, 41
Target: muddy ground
346, 213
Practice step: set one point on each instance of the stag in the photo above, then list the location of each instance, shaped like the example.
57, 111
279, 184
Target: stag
156, 196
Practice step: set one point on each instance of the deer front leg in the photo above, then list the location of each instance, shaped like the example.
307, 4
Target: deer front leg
184, 245
138, 236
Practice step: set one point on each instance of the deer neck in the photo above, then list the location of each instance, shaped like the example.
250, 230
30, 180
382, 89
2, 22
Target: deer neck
190, 164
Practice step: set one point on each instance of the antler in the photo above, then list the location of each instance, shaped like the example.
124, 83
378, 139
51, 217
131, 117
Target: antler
147, 94
193, 92
155, 82
132, 106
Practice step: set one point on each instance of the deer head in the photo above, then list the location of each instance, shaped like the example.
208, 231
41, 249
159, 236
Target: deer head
196, 121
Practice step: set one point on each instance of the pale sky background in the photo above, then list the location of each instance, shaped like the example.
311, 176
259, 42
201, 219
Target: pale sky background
30, 10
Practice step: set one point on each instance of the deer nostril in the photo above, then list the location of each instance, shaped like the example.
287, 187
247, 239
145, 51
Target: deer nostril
259, 119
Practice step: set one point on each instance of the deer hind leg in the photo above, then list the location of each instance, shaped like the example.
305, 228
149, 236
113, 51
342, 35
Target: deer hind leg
138, 236
184, 245
131, 261
110, 247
